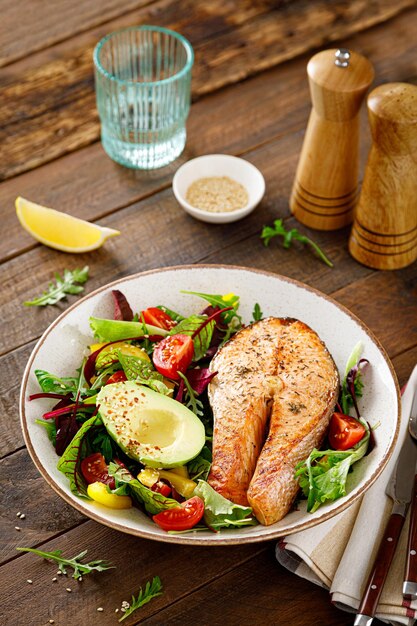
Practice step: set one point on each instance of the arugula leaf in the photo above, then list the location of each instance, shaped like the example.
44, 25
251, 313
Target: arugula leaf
153, 502
152, 590
217, 300
142, 372
322, 476
257, 314
201, 338
288, 236
220, 512
63, 286
118, 330
200, 466
80, 569
49, 383
193, 403
69, 463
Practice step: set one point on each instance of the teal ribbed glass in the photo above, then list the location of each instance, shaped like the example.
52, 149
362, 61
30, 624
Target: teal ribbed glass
143, 81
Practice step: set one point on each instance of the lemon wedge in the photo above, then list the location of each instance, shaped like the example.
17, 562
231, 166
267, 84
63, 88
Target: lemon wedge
60, 230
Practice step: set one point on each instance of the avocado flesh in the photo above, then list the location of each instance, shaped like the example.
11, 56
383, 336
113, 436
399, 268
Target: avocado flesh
150, 427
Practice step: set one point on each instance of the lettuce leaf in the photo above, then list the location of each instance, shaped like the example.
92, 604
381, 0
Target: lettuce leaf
117, 330
220, 512
49, 383
152, 501
322, 476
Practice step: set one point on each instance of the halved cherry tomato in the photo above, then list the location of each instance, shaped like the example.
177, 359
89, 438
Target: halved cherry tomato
183, 517
173, 354
157, 317
94, 469
344, 431
117, 377
162, 488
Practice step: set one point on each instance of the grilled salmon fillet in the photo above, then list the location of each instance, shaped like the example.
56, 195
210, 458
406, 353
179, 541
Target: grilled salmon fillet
272, 398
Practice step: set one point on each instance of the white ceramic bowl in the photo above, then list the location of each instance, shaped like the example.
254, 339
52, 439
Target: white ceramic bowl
209, 165
277, 296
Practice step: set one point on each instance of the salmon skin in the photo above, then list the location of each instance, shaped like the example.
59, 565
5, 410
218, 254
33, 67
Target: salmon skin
272, 399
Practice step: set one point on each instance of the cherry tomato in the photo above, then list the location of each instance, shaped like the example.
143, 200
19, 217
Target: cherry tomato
157, 317
183, 517
117, 377
94, 469
162, 488
173, 354
344, 431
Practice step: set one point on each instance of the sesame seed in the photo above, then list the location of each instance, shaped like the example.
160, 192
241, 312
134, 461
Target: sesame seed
116, 610
52, 621
22, 516
100, 608
59, 572
68, 589
17, 527
123, 610
54, 580
80, 580
18, 514
29, 581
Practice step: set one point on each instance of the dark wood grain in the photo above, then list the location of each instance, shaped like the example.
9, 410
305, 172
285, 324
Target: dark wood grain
50, 105
24, 30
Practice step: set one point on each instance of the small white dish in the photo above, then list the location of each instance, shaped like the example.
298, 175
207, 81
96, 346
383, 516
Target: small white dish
210, 165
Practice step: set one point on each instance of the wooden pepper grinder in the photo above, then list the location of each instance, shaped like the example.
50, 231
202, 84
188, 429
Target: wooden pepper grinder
384, 233
326, 183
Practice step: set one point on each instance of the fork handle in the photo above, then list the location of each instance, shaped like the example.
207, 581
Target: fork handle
410, 576
379, 570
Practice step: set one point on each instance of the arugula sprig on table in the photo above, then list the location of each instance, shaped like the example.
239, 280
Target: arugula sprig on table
80, 569
70, 283
152, 590
289, 236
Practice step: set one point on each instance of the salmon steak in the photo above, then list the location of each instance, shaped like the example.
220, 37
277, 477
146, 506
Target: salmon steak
272, 398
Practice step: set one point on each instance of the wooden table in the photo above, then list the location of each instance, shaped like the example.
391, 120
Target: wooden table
250, 98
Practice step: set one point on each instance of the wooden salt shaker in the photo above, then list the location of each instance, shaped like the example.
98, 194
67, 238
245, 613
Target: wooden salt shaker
384, 233
326, 183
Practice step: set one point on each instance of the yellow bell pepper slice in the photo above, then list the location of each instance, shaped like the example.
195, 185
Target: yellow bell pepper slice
184, 486
98, 492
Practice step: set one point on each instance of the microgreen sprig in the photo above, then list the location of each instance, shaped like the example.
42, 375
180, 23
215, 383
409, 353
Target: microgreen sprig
80, 569
278, 230
152, 590
70, 283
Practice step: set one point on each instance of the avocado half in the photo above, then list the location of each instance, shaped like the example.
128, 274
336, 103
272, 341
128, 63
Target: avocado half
150, 427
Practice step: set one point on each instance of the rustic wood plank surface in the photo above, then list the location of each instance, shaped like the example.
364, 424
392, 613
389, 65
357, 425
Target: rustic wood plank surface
50, 154
50, 104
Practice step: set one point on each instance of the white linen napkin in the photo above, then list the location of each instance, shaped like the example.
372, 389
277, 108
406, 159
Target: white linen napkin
339, 553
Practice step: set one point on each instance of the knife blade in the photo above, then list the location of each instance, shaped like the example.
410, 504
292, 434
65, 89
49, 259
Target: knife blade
399, 489
410, 576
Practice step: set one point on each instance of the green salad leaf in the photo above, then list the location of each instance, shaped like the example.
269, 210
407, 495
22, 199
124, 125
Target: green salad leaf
50, 427
118, 330
257, 314
142, 372
152, 590
80, 569
322, 476
49, 383
153, 502
69, 463
220, 512
201, 333
222, 302
71, 283
200, 466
